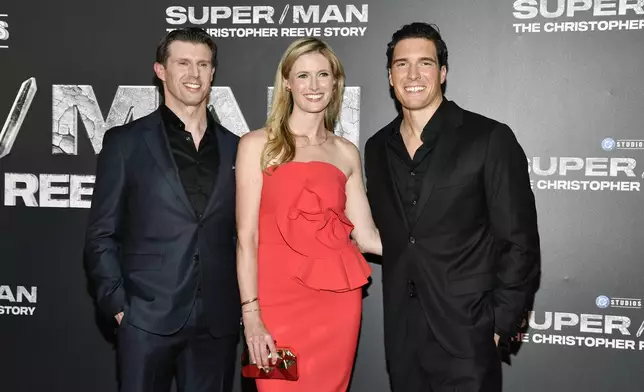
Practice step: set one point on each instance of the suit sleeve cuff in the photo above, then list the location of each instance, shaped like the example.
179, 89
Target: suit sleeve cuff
503, 334
114, 303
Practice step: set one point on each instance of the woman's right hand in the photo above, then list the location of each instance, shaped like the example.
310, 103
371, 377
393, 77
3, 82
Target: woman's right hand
259, 341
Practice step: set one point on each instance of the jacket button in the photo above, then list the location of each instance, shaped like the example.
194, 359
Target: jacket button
412, 240
411, 287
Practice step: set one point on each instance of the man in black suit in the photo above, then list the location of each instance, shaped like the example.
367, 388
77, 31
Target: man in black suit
450, 194
160, 247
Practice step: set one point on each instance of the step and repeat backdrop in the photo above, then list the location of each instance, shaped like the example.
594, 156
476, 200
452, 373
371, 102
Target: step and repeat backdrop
565, 75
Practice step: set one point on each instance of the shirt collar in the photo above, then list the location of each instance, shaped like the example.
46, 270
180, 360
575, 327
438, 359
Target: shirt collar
432, 129
173, 122
435, 124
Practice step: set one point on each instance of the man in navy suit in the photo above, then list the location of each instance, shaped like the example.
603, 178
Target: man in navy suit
160, 246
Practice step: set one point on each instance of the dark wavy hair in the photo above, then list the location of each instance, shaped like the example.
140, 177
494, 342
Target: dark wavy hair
420, 30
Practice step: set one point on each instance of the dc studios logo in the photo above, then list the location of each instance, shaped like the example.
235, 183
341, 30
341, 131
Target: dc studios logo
602, 302
608, 144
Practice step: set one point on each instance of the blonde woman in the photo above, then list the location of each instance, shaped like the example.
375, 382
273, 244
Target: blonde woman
300, 197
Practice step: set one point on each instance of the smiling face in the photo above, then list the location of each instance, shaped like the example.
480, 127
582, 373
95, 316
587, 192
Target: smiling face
311, 82
415, 74
187, 74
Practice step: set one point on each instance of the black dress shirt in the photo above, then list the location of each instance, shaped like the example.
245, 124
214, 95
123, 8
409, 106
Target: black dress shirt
408, 172
197, 168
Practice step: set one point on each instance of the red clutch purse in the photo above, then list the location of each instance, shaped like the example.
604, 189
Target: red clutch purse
284, 369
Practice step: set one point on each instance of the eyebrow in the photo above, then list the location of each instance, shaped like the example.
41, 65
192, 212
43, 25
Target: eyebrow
318, 71
199, 61
431, 59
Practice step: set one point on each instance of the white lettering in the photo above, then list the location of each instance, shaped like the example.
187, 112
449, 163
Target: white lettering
72, 186
591, 323
22, 294
619, 323
605, 8
176, 15
47, 190
578, 5
17, 310
637, 6
302, 15
570, 164
529, 9
4, 30
593, 164
13, 189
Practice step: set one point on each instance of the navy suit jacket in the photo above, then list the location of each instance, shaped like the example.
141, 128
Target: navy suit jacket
146, 248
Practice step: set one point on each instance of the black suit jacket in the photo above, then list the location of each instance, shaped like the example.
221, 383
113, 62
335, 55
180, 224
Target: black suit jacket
474, 241
145, 246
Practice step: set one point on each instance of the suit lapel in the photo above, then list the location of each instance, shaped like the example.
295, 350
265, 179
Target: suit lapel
157, 142
443, 152
225, 169
388, 176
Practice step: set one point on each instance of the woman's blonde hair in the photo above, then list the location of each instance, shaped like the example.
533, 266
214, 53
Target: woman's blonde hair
280, 146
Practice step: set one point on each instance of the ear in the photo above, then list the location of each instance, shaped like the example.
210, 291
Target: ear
391, 83
287, 84
159, 70
443, 74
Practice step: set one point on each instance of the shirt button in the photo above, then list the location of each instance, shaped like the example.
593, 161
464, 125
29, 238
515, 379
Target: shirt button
412, 240
413, 202
412, 173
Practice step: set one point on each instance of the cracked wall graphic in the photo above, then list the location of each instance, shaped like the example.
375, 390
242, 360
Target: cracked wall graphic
227, 111
71, 102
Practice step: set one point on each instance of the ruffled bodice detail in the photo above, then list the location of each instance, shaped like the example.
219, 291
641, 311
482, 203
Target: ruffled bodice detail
306, 201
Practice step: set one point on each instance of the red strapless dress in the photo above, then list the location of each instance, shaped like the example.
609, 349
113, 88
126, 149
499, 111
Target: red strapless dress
310, 274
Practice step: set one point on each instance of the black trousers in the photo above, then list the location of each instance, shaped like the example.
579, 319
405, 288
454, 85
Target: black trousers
421, 364
200, 362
